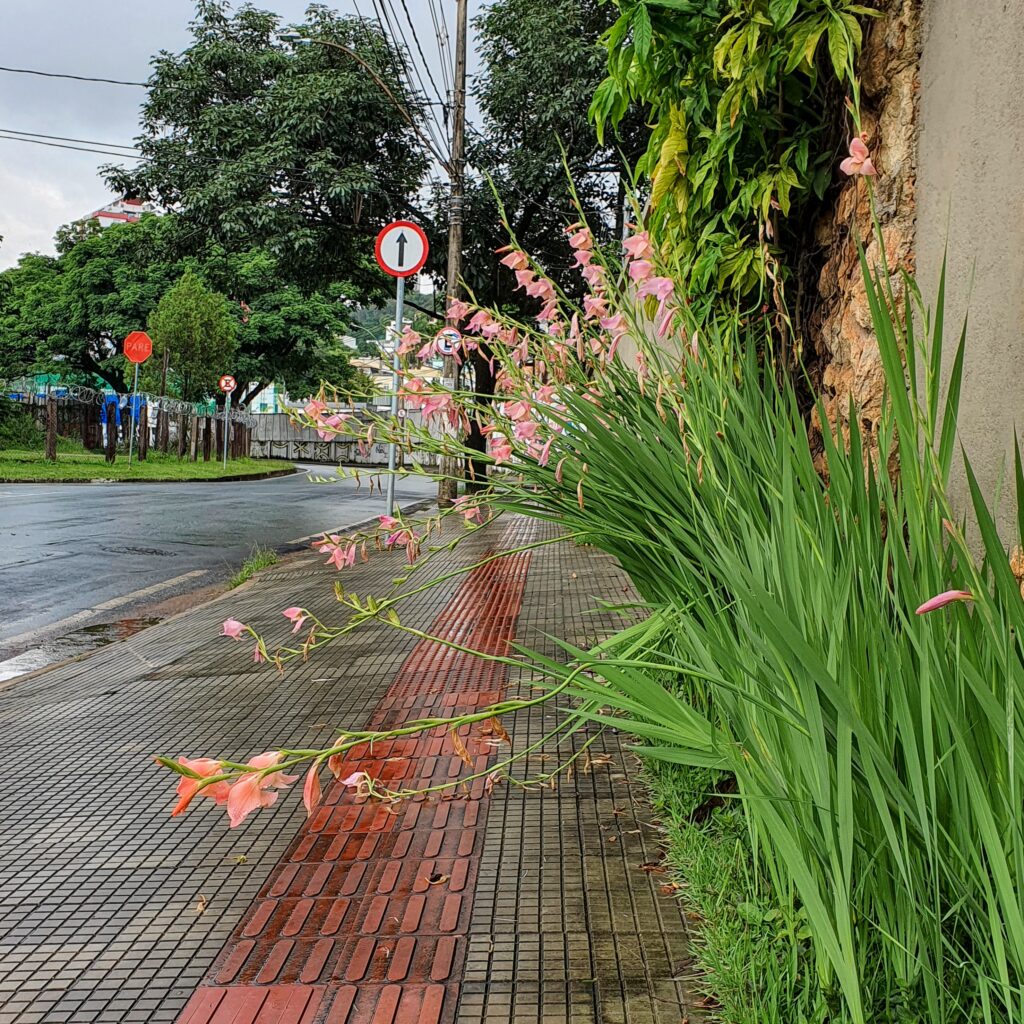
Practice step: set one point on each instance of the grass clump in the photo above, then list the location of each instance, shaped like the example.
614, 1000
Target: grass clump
261, 558
80, 466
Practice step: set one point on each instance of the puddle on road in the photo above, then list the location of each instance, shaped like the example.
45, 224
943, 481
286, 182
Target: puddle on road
81, 641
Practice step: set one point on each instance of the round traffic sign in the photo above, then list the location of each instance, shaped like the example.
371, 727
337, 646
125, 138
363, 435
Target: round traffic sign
402, 248
447, 340
138, 347
227, 383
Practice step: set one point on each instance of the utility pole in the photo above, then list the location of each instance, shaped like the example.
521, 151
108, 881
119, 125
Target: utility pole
447, 487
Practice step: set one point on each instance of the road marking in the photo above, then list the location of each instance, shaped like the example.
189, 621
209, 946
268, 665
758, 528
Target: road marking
106, 606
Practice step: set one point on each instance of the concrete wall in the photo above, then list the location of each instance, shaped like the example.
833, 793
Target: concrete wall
970, 190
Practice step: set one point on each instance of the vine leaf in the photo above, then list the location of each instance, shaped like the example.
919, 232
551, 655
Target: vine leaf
643, 33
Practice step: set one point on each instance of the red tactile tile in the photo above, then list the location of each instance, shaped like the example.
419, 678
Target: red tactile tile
365, 920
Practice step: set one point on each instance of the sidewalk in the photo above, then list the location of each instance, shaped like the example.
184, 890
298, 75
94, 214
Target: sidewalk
518, 905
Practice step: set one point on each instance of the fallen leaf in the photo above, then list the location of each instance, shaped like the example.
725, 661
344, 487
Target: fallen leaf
437, 879
241, 859
653, 867
201, 905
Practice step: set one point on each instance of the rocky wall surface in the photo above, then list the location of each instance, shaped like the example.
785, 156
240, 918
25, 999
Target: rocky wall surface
840, 328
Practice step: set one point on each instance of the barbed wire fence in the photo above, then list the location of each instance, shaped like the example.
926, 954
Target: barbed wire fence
198, 430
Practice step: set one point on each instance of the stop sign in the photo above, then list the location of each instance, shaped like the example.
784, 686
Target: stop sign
138, 347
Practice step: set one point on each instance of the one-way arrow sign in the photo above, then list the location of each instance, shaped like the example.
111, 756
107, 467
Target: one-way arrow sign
402, 248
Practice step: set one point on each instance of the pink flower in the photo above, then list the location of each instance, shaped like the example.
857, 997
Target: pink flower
296, 615
594, 275
524, 278
480, 319
526, 429
515, 260
582, 239
257, 654
541, 289
232, 628
388, 522
640, 270
941, 600
457, 310
410, 339
501, 449
463, 506
330, 426
638, 246
583, 257
859, 160
359, 781
518, 410
311, 791
660, 287
545, 453
343, 555
594, 307
189, 787
315, 409
250, 792
615, 324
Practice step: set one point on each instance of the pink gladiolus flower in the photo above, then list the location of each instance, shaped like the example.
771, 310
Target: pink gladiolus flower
296, 615
489, 330
315, 409
640, 270
545, 452
526, 429
359, 781
342, 556
594, 275
311, 791
859, 160
250, 792
582, 239
388, 522
541, 289
410, 339
480, 319
661, 288
189, 787
515, 260
638, 246
232, 628
941, 600
463, 506
330, 426
518, 410
594, 307
501, 450
457, 310
583, 257
524, 278
257, 654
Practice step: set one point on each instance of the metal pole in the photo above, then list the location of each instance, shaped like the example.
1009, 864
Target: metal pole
448, 485
227, 425
393, 447
131, 417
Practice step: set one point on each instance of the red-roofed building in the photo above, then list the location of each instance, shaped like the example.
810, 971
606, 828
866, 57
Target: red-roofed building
121, 210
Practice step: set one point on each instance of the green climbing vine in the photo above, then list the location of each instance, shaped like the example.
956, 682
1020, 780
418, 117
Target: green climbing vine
744, 98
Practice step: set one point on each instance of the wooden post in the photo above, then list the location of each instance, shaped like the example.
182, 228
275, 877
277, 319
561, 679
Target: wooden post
51, 428
193, 452
111, 449
207, 438
143, 432
163, 430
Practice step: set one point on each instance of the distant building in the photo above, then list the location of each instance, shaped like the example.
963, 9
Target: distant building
121, 210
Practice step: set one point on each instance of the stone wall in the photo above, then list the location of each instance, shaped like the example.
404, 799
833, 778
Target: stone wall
840, 327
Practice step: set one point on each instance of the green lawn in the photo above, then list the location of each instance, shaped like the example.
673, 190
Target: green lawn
32, 467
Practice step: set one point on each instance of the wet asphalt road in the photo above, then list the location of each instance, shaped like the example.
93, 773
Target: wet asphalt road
71, 553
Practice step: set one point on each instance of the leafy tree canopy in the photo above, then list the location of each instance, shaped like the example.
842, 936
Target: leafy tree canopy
295, 148
193, 331
541, 65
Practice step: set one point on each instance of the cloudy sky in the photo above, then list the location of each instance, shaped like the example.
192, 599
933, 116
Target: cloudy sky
42, 187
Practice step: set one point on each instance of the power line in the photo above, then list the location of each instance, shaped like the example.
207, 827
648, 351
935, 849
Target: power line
443, 51
77, 149
64, 138
416, 39
77, 78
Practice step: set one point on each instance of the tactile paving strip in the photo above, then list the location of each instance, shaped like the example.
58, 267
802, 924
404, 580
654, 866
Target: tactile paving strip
366, 919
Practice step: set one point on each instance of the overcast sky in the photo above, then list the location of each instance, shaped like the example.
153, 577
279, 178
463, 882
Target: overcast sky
41, 187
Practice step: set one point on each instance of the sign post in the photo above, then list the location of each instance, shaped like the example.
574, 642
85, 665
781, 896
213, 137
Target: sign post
401, 251
137, 349
227, 384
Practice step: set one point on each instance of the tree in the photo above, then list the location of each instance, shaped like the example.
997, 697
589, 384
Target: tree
541, 65
26, 291
195, 328
296, 149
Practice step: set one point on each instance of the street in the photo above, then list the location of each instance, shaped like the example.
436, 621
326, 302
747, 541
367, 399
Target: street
70, 554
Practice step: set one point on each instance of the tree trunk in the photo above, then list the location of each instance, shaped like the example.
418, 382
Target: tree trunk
51, 429
143, 432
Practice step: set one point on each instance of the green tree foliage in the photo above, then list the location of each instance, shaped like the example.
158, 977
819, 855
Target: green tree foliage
292, 147
195, 329
541, 63
26, 292
744, 98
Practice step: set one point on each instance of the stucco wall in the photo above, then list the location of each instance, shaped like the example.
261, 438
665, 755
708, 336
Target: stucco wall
970, 189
